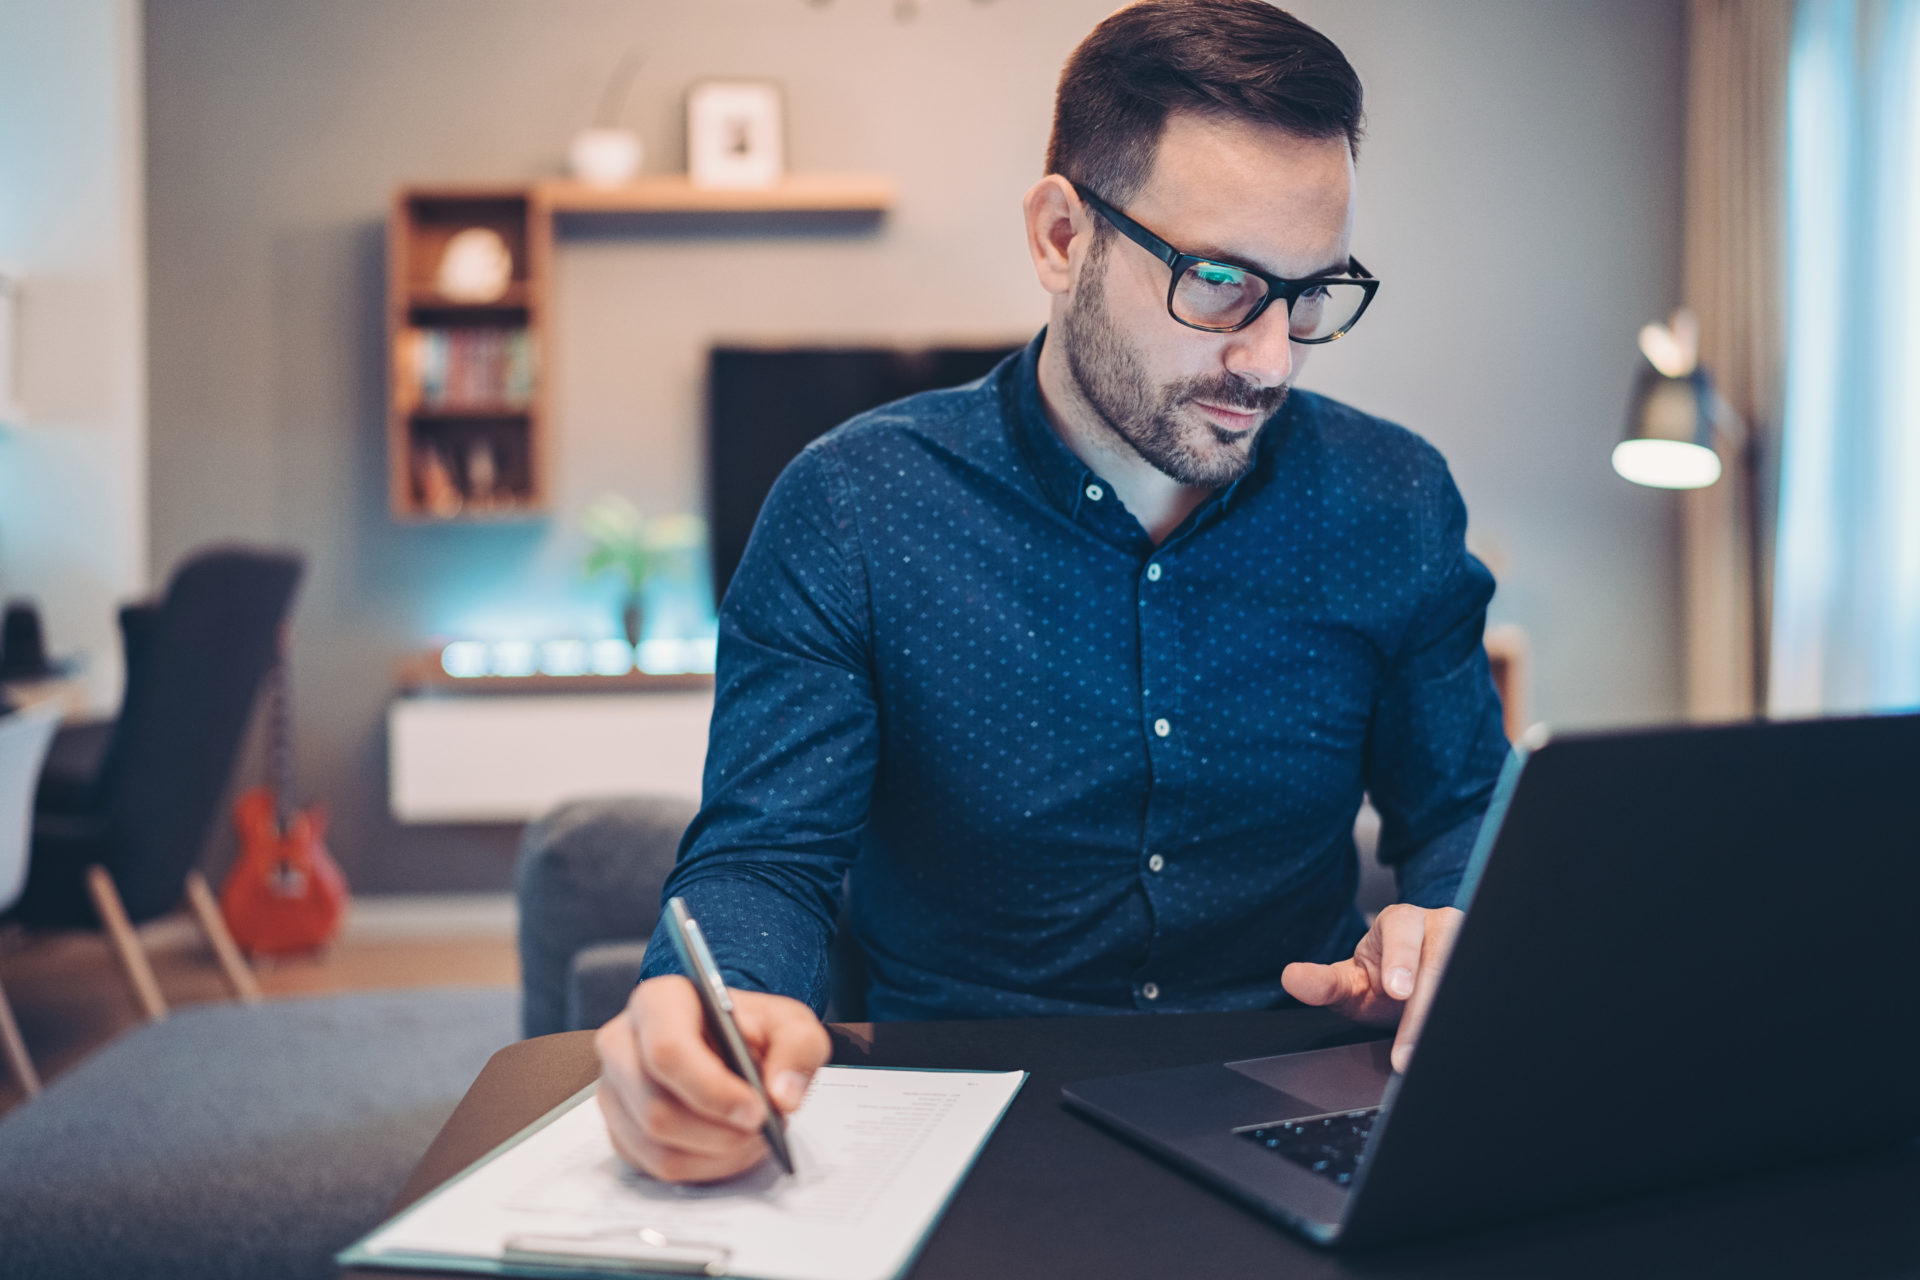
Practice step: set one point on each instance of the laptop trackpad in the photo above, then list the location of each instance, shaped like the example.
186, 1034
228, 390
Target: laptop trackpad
1344, 1079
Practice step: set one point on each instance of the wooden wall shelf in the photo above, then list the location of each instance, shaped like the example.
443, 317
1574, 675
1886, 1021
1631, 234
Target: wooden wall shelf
464, 442
422, 674
514, 299
798, 193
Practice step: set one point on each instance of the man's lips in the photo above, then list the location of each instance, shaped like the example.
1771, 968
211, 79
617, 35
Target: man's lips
1231, 419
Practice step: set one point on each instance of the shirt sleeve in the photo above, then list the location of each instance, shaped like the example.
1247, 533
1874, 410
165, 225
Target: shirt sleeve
1437, 740
793, 746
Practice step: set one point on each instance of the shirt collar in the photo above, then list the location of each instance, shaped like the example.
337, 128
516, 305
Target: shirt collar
1063, 478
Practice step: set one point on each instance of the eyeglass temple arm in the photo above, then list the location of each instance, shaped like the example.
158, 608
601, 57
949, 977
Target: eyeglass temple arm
1127, 227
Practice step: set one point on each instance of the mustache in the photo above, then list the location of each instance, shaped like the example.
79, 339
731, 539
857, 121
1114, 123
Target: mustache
1229, 393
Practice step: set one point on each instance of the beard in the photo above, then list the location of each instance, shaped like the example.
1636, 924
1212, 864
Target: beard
1110, 378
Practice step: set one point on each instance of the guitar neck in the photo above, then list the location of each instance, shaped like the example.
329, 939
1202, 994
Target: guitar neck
282, 729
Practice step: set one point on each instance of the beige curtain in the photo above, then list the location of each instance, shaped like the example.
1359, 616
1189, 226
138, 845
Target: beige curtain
1734, 256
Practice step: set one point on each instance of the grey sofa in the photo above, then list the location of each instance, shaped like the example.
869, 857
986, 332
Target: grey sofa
589, 881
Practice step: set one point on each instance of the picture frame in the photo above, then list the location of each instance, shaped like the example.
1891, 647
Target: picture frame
735, 134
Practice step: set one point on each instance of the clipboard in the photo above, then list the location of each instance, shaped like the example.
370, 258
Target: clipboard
578, 1223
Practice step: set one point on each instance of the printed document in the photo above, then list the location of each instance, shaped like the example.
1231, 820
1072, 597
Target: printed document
877, 1155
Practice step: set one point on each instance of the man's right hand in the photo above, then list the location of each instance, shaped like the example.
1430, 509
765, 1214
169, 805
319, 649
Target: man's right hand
673, 1108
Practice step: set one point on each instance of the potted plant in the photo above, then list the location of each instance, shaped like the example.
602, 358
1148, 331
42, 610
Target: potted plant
632, 548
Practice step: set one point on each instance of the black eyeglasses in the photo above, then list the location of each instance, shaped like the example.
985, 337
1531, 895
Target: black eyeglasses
1221, 297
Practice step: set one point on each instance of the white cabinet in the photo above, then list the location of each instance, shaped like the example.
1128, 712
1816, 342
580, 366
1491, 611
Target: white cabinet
509, 758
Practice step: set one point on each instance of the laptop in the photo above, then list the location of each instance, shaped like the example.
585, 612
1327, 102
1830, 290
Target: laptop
1688, 953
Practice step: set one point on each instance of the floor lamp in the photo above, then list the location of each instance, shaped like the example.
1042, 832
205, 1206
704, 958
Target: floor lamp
1675, 425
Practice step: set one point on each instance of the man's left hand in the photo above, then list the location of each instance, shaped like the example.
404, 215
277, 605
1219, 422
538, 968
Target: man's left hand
1391, 976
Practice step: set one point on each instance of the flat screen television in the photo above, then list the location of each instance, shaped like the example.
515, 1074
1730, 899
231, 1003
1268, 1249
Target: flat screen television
764, 404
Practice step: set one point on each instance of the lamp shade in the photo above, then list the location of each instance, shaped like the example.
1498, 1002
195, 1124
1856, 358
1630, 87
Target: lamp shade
1669, 442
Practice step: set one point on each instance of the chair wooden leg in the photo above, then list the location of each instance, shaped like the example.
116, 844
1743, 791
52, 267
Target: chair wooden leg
16, 1048
126, 943
207, 911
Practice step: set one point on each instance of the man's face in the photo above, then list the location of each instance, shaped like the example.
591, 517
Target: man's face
1189, 402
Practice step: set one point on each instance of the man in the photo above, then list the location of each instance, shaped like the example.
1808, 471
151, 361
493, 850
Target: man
1076, 675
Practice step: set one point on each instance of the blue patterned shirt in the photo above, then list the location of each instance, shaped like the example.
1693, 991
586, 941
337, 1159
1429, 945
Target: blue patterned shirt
1060, 769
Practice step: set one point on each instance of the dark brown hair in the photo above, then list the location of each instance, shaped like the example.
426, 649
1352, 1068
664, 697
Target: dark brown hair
1241, 59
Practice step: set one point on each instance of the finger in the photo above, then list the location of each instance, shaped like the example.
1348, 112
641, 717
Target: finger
674, 1164
675, 1056
619, 1050
677, 1166
793, 1044
1441, 927
648, 1112
666, 1123
627, 1143
660, 1125
1323, 984
1402, 930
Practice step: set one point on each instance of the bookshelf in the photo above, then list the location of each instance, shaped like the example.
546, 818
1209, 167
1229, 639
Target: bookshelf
465, 417
469, 430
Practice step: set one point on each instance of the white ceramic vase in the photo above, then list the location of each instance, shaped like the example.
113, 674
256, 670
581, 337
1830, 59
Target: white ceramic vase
604, 157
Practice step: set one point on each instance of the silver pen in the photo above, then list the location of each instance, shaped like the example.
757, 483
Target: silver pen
699, 963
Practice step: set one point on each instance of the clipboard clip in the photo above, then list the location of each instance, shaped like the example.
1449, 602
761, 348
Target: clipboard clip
644, 1250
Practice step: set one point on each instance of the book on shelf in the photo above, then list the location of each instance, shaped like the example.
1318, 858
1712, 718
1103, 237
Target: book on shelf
481, 369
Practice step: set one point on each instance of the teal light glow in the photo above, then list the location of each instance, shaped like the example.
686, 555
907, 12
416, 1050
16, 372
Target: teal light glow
612, 657
511, 658
563, 658
660, 656
663, 657
464, 659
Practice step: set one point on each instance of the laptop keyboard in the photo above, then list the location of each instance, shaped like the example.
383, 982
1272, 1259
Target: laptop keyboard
1328, 1145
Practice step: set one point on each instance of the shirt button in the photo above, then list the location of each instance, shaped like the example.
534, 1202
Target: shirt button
1161, 727
1149, 991
1156, 863
1095, 492
1153, 573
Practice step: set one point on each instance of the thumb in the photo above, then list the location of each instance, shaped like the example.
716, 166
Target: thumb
795, 1045
1317, 984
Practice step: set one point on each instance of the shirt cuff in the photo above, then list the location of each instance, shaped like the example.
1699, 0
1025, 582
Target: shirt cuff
761, 939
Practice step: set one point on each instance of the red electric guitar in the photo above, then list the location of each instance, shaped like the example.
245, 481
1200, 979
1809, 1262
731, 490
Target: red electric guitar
285, 893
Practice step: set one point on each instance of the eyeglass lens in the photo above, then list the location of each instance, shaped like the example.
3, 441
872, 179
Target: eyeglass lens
1214, 295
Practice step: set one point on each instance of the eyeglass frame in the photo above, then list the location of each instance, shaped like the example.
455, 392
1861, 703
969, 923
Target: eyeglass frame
1277, 286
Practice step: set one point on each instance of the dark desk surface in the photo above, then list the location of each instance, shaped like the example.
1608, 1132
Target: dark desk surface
1054, 1197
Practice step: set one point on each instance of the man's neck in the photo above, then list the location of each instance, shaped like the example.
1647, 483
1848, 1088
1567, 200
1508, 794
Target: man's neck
1156, 499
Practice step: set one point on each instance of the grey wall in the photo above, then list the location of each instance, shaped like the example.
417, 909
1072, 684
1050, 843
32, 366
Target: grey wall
1520, 192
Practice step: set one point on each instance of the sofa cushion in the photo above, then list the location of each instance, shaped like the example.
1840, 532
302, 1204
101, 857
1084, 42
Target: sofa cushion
599, 981
590, 871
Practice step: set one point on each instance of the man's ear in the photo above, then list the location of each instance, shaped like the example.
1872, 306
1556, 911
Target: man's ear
1055, 219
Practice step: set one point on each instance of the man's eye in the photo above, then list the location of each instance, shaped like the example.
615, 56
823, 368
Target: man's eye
1224, 277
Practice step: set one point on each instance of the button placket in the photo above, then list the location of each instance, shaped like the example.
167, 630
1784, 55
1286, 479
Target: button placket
1159, 682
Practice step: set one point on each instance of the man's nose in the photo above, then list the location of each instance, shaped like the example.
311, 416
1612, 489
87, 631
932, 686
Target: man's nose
1262, 353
